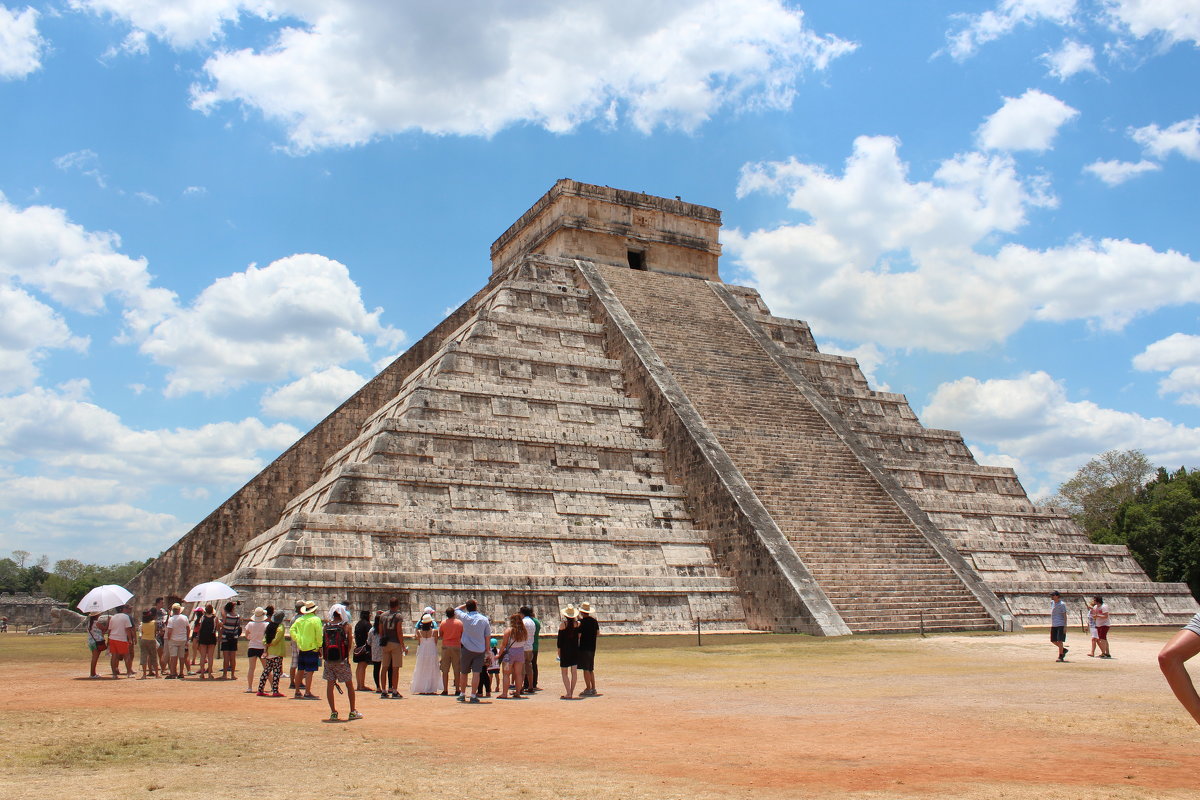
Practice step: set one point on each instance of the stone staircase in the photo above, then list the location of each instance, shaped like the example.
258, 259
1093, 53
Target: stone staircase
511, 467
1021, 551
871, 561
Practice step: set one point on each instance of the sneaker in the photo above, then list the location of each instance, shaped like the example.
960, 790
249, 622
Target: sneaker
355, 715
397, 696
333, 716
461, 699
1060, 659
475, 699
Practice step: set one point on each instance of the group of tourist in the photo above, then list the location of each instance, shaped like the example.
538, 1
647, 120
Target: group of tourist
458, 654
1099, 620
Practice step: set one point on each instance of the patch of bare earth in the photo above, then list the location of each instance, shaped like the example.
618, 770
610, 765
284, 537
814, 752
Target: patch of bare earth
768, 717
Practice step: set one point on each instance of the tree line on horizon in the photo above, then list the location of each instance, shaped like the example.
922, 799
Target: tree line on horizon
67, 582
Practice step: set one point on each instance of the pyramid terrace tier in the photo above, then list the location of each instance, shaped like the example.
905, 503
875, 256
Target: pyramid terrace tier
464, 443
622, 606
1132, 602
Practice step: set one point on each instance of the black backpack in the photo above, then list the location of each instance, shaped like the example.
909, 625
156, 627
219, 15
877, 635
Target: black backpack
335, 642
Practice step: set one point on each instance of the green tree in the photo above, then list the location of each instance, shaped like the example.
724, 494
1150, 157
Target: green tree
1161, 527
1098, 489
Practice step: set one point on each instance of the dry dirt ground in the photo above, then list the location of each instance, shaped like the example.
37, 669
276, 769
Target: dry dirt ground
752, 716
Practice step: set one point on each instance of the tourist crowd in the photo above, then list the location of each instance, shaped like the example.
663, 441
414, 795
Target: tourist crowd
458, 652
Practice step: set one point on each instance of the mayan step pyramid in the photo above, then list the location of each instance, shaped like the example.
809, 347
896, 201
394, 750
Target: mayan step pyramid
607, 421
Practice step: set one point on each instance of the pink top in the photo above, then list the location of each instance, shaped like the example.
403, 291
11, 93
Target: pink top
451, 632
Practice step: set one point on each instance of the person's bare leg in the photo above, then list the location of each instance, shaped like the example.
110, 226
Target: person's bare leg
360, 676
329, 695
1095, 642
1182, 646
1104, 646
589, 680
350, 696
518, 678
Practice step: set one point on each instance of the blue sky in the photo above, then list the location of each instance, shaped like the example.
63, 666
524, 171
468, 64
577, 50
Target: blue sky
219, 218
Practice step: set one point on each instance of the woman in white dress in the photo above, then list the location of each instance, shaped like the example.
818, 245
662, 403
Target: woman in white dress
427, 678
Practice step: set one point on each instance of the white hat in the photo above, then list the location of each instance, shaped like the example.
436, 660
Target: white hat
259, 614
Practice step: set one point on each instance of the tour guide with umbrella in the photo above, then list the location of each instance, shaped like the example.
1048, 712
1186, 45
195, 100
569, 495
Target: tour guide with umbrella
102, 598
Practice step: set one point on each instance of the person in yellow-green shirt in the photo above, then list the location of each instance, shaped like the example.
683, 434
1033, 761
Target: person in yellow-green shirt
308, 633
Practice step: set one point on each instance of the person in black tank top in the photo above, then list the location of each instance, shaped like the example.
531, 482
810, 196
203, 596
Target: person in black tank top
568, 650
208, 641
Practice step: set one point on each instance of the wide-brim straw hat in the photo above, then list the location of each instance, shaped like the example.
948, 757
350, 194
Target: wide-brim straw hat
308, 607
570, 612
176, 608
426, 618
586, 608
259, 614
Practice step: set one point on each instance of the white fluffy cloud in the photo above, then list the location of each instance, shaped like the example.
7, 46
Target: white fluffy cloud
1070, 59
1174, 20
1031, 420
64, 431
313, 396
1028, 122
182, 23
1182, 137
979, 29
885, 259
116, 532
298, 314
1117, 172
42, 249
21, 45
346, 71
28, 328
1179, 356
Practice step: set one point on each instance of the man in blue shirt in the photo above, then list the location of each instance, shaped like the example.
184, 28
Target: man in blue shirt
1058, 624
477, 629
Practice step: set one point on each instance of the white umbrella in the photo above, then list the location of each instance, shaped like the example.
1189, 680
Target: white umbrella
102, 598
207, 592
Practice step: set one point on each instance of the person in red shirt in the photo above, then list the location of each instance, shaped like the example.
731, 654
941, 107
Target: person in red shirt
451, 635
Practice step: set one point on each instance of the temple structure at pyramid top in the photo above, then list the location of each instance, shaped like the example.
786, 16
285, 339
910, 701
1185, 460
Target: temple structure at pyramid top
615, 227
605, 420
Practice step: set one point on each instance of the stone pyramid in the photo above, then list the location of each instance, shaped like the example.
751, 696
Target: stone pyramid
607, 421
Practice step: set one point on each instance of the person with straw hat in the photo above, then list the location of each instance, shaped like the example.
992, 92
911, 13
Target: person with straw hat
568, 650
256, 628
589, 631
175, 638
308, 633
